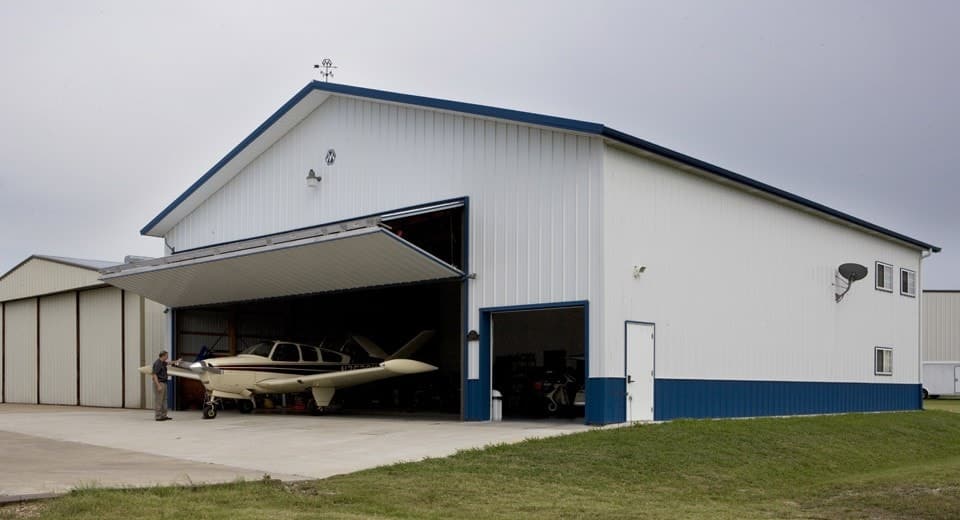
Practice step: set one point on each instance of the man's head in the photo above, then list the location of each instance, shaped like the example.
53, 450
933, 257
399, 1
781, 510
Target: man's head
163, 355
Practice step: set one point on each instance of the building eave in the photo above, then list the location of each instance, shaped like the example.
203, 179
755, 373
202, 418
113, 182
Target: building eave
261, 138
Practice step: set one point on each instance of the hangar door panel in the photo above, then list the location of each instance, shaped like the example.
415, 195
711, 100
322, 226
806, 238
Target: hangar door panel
58, 349
100, 348
21, 351
133, 350
281, 266
3, 314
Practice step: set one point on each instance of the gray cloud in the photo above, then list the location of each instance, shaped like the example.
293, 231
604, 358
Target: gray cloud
111, 109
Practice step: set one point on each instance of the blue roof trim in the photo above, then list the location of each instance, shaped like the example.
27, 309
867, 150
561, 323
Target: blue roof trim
532, 119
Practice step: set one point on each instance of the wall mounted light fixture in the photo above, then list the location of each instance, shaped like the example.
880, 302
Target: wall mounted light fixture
312, 180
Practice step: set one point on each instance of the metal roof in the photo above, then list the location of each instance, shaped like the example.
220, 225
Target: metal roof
298, 263
41, 275
306, 100
93, 265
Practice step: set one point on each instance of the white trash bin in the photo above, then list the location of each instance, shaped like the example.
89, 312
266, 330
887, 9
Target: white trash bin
496, 406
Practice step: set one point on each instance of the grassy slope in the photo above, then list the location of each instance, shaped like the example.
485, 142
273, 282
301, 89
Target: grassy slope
946, 404
904, 465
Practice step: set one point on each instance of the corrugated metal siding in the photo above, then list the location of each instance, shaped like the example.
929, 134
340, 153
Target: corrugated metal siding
58, 349
368, 257
155, 333
741, 287
100, 363
679, 398
133, 358
21, 345
38, 276
3, 355
535, 194
941, 326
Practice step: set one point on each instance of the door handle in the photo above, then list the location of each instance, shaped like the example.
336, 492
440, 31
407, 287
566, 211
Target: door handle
629, 379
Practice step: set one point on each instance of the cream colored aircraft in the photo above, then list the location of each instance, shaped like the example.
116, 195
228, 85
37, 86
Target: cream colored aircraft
282, 367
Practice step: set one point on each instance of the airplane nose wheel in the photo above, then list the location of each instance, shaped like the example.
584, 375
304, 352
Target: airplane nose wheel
210, 407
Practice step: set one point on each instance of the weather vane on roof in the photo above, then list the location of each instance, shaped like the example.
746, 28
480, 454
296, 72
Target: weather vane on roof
327, 65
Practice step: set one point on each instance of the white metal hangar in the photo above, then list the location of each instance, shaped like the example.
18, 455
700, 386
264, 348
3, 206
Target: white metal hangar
550, 255
67, 338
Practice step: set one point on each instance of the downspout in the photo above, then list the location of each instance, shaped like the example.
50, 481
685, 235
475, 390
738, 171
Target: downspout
923, 254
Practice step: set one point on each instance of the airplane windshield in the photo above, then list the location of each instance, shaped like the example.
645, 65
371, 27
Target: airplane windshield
260, 349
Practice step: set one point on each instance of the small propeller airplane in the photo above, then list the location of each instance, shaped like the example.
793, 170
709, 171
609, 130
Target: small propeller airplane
280, 367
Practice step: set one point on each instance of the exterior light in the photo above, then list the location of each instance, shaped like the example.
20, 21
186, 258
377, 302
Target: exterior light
312, 180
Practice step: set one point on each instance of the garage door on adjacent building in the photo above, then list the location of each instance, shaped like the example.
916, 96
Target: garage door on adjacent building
69, 339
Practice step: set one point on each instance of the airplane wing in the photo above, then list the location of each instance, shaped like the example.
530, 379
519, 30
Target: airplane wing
345, 378
172, 370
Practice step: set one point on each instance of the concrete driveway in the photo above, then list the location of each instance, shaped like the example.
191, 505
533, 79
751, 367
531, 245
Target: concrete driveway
52, 449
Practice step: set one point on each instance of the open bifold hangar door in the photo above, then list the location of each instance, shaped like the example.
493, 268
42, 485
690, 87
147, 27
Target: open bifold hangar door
320, 260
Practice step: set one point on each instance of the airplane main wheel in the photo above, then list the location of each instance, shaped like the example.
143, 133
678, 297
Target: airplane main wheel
313, 408
244, 406
209, 412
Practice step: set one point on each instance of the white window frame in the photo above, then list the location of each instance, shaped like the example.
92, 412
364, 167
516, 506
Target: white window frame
878, 369
888, 277
913, 274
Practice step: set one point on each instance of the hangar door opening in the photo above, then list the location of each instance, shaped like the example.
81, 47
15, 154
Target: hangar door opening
388, 315
539, 361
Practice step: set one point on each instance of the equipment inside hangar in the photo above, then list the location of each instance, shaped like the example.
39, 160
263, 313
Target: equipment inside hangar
539, 361
375, 294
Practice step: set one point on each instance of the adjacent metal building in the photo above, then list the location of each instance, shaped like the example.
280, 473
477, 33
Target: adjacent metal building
688, 290
941, 326
67, 338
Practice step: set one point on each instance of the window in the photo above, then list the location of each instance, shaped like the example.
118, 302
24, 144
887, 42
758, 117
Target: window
908, 283
286, 352
884, 277
260, 349
883, 361
309, 353
331, 357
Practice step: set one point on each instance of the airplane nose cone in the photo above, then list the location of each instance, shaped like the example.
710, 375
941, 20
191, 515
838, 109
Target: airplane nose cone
407, 366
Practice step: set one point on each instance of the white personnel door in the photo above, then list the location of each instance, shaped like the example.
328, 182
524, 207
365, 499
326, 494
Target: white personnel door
956, 379
640, 344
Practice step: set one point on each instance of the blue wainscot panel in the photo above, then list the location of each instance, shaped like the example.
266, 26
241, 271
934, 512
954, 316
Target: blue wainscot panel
606, 400
701, 398
478, 401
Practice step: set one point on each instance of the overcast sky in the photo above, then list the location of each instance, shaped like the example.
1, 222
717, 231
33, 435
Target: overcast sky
110, 110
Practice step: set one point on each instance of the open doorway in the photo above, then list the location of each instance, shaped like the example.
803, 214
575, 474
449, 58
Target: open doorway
539, 361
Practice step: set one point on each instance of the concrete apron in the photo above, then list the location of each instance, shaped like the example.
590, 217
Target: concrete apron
52, 449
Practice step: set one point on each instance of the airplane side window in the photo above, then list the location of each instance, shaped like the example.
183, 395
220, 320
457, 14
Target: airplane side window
332, 357
260, 349
308, 353
286, 352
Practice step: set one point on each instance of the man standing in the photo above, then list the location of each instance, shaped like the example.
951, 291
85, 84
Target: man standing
160, 384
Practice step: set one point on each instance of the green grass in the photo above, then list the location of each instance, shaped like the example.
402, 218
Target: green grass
899, 465
944, 403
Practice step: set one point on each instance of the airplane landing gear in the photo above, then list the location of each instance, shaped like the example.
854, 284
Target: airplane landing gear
210, 407
244, 406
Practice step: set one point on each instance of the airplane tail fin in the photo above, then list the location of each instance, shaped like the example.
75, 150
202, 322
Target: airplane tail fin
374, 350
413, 345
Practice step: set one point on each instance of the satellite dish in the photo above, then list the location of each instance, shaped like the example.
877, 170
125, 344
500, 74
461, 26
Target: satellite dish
852, 272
